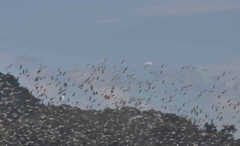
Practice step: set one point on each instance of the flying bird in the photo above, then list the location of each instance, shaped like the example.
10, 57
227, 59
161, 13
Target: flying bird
61, 97
149, 63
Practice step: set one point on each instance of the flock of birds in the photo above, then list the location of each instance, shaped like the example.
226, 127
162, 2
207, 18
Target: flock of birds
98, 86
122, 87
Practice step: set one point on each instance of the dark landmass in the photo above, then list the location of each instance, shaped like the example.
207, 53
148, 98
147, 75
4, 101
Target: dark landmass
25, 121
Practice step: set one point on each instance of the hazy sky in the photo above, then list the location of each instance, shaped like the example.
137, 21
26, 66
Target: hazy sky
60, 32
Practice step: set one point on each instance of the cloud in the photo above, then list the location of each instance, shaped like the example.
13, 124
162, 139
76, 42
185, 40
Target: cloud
231, 67
4, 56
187, 8
23, 60
4, 61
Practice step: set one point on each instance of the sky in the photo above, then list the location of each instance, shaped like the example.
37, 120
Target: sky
60, 33
171, 32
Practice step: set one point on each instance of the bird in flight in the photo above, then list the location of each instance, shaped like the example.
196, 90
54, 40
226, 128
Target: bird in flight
149, 63
61, 97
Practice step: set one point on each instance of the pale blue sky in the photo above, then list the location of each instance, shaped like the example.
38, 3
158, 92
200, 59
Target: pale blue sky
186, 32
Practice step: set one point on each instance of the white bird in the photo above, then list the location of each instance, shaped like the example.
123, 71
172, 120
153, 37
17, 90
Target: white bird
61, 97
149, 63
